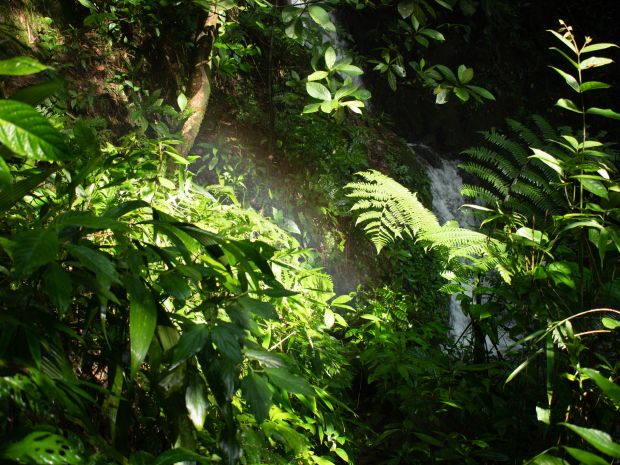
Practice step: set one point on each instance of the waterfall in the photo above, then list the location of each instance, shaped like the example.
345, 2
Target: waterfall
446, 185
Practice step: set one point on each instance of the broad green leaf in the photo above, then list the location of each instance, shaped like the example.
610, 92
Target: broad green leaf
596, 47
190, 343
465, 74
27, 133
44, 448
568, 105
21, 66
543, 415
600, 440
482, 92
319, 15
611, 389
318, 91
349, 69
58, 286
406, 8
329, 318
594, 62
461, 93
311, 108
354, 105
447, 73
570, 80
256, 392
585, 457
548, 160
434, 34
606, 112
330, 57
594, 186
172, 456
593, 85
21, 188
34, 248
291, 383
610, 323
196, 400
573, 63
174, 285
227, 339
142, 321
318, 75
95, 261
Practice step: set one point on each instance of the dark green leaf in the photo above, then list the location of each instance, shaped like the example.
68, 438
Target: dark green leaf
461, 93
174, 285
5, 176
58, 286
36, 94
27, 133
142, 321
95, 261
465, 74
42, 447
32, 249
548, 459
482, 92
190, 343
257, 394
226, 338
405, 8
21, 66
291, 383
263, 309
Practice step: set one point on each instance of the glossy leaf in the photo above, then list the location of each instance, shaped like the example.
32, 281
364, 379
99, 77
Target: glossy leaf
5, 176
406, 8
568, 105
481, 92
330, 57
318, 75
196, 400
319, 15
594, 62
596, 47
27, 133
178, 455
593, 85
600, 440
465, 74
606, 112
36, 94
318, 91
96, 262
570, 80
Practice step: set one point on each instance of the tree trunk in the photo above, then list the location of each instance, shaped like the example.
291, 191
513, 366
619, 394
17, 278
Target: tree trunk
200, 82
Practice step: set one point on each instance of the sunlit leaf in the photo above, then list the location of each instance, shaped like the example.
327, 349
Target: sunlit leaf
142, 321
600, 440
27, 133
21, 66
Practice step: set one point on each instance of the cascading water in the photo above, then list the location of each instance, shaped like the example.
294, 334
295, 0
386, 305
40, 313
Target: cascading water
446, 184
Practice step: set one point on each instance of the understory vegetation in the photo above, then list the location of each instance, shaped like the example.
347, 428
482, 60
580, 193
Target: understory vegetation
215, 247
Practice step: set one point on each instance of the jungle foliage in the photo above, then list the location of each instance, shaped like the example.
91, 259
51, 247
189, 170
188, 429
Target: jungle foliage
165, 306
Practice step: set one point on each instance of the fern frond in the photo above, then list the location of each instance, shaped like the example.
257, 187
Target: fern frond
547, 131
526, 134
480, 193
488, 175
502, 164
519, 152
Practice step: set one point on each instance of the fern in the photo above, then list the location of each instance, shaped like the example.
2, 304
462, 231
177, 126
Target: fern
510, 180
389, 211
